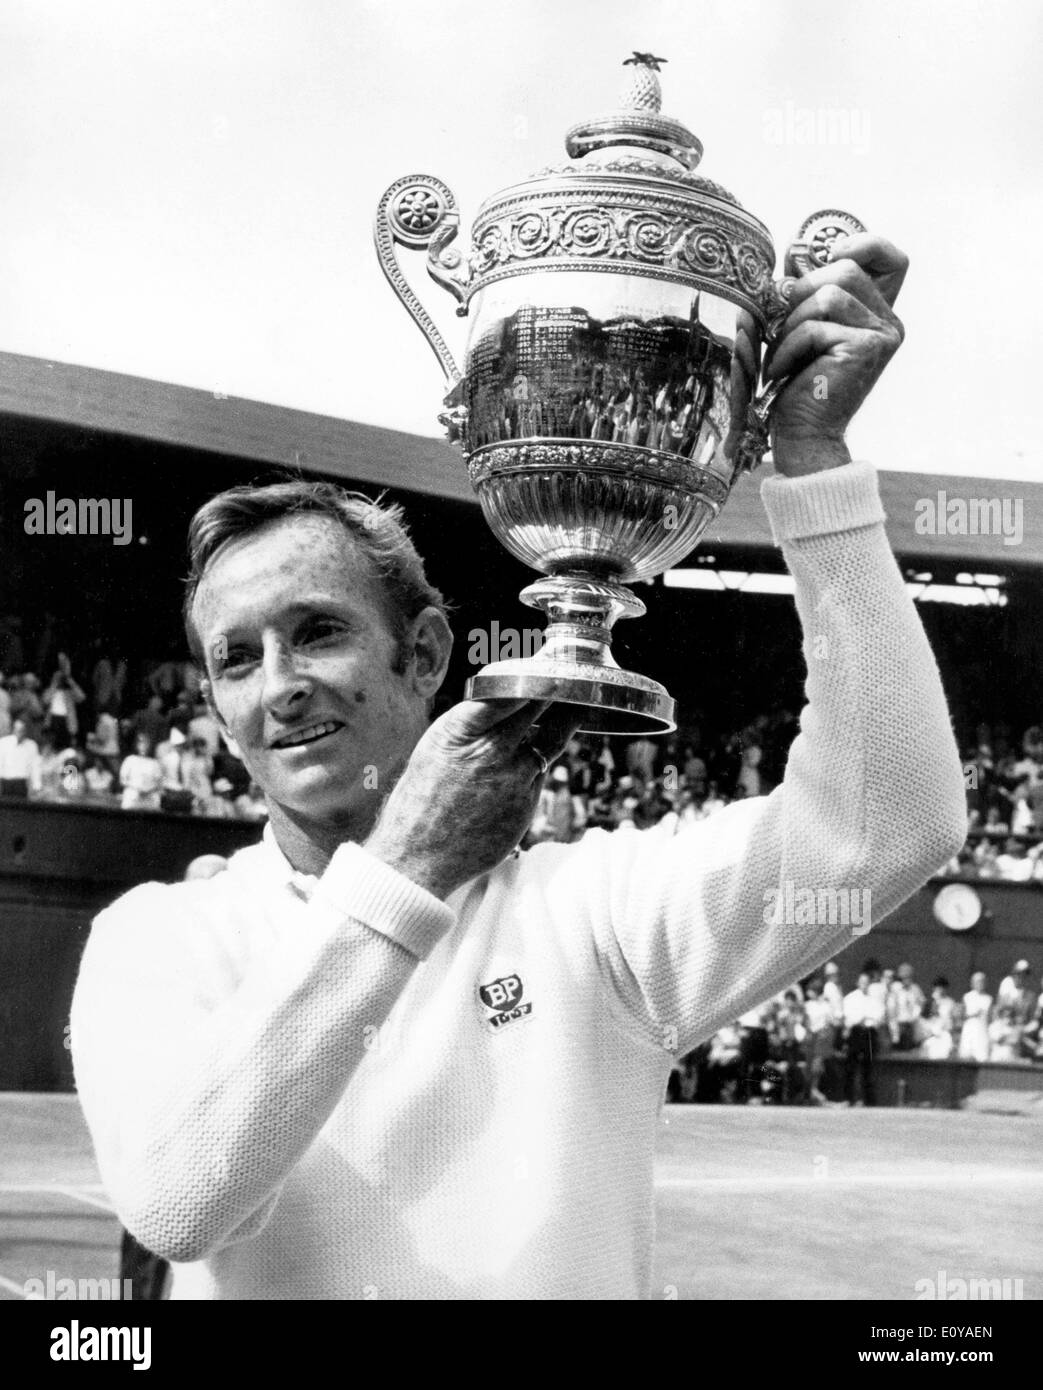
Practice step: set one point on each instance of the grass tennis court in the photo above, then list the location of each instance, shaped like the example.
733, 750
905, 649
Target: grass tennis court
757, 1202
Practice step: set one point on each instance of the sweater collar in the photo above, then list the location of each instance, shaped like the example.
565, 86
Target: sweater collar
281, 869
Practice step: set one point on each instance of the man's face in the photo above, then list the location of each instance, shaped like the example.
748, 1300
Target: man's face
299, 654
18, 729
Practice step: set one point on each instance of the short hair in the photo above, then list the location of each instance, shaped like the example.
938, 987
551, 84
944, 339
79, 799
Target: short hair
376, 528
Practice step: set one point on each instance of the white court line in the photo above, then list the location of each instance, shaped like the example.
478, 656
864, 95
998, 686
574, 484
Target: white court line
81, 1194
12, 1287
984, 1179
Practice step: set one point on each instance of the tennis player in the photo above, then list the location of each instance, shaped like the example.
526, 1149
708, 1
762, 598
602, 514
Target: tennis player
382, 1055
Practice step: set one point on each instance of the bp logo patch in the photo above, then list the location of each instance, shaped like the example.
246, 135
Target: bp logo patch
503, 998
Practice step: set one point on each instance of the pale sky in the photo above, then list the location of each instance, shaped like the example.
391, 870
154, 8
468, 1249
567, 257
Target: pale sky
188, 187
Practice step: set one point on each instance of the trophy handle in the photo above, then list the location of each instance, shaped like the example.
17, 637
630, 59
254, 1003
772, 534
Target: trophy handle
419, 212
809, 251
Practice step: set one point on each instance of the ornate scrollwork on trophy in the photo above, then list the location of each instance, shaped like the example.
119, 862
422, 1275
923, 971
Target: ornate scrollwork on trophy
631, 233
416, 210
814, 242
412, 212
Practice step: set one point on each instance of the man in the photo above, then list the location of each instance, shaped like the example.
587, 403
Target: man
20, 770
150, 722
832, 991
1032, 1035
141, 778
204, 726
863, 1018
556, 818
1016, 993
383, 1056
754, 1026
641, 759
26, 703
821, 1025
905, 1006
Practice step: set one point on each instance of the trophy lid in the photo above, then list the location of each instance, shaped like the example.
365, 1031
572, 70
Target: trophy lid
627, 202
637, 122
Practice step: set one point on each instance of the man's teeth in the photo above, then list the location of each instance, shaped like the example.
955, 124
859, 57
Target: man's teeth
306, 735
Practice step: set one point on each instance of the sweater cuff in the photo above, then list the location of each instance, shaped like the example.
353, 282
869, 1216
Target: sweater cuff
360, 886
836, 499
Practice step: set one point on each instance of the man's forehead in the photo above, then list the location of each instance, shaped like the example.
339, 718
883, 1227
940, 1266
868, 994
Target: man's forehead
281, 562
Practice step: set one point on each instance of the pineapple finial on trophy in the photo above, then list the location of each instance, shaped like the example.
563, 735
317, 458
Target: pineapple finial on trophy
641, 87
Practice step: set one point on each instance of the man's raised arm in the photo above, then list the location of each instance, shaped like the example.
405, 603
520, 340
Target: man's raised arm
693, 931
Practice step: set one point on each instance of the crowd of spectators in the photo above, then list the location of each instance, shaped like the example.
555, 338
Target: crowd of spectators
80, 740
613, 784
151, 744
1004, 806
815, 1042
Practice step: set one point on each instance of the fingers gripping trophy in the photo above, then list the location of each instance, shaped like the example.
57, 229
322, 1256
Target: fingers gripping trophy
618, 307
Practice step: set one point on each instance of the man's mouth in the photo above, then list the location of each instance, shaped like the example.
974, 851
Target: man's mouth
311, 734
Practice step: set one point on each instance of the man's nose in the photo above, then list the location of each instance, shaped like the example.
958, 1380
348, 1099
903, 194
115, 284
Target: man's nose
286, 685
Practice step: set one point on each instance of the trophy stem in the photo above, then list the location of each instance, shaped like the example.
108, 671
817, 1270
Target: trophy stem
575, 665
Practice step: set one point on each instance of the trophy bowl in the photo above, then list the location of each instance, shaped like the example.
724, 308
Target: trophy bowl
617, 305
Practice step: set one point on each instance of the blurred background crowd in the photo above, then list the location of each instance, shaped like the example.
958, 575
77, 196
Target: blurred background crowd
815, 1042
92, 733
82, 737
669, 781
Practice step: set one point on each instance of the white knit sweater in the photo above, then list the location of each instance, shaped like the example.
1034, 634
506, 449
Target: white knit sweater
297, 1087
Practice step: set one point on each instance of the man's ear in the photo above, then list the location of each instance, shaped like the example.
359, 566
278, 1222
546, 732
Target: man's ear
207, 692
426, 648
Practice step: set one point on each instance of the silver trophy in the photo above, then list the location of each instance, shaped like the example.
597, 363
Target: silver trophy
618, 305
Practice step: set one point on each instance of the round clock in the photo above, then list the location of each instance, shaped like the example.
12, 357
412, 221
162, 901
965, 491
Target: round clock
958, 907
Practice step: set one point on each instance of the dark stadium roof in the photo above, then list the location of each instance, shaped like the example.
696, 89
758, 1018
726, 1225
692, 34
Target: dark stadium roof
86, 398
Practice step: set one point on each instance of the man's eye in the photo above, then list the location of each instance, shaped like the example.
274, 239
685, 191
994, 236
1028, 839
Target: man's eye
320, 630
233, 658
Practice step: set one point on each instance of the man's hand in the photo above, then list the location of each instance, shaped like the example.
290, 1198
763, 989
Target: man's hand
840, 335
469, 791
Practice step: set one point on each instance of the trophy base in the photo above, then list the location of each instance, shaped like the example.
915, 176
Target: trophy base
614, 701
575, 666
